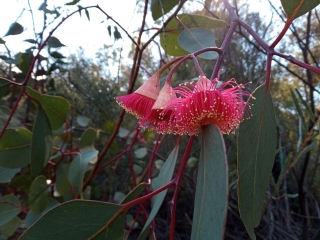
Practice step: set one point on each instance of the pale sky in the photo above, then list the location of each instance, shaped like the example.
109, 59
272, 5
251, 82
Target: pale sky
75, 31
78, 31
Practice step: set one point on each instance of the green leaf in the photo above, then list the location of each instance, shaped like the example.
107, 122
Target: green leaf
88, 137
47, 11
296, 103
116, 34
57, 55
109, 32
7, 174
256, 151
310, 113
131, 222
79, 8
160, 7
141, 152
198, 38
4, 114
118, 197
43, 5
14, 29
87, 14
23, 61
56, 108
115, 231
292, 195
78, 168
169, 39
137, 169
158, 164
290, 6
123, 132
6, 59
22, 182
2, 41
10, 227
54, 42
31, 219
76, 219
211, 200
307, 149
192, 162
4, 88
73, 2
109, 126
15, 148
135, 192
62, 183
30, 40
38, 195
164, 177
86, 195
9, 211
41, 145
83, 121
200, 21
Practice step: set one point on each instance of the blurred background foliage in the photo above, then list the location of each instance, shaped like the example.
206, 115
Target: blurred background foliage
90, 86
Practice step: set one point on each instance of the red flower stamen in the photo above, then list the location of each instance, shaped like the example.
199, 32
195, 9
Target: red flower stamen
141, 101
204, 103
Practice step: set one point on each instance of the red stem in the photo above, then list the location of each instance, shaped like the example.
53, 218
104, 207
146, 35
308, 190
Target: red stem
297, 62
95, 171
268, 69
134, 178
286, 26
109, 162
197, 65
177, 181
25, 210
269, 49
135, 220
190, 56
154, 150
148, 196
223, 48
172, 183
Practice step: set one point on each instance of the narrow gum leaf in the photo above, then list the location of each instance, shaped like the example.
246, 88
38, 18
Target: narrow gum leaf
211, 200
290, 6
42, 142
257, 142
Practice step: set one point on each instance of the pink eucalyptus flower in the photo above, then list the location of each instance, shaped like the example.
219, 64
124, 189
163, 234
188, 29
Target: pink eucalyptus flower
203, 103
156, 119
141, 101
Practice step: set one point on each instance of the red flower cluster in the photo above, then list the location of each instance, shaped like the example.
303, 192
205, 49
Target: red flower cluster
198, 103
